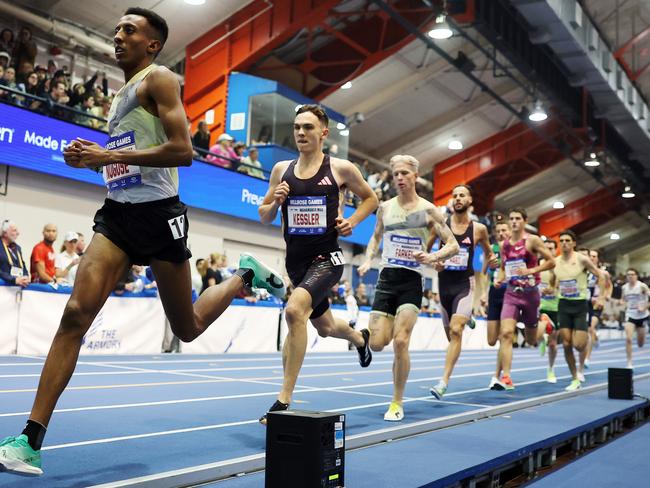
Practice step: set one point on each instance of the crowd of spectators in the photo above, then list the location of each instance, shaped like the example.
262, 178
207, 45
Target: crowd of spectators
51, 83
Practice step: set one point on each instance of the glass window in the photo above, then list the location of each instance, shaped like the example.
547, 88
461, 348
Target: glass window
271, 122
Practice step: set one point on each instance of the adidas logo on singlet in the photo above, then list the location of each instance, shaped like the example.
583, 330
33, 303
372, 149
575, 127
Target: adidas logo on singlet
325, 181
467, 240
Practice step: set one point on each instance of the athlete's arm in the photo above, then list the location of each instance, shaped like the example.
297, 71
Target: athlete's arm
538, 247
609, 287
483, 239
275, 195
163, 89
589, 266
373, 243
441, 229
501, 270
352, 179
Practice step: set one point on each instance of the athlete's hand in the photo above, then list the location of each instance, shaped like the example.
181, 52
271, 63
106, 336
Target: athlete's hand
547, 291
343, 226
493, 261
22, 281
72, 155
497, 282
281, 192
439, 267
521, 272
92, 154
363, 269
426, 258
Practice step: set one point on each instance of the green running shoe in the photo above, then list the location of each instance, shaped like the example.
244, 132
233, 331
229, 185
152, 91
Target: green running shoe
573, 386
264, 277
471, 323
18, 457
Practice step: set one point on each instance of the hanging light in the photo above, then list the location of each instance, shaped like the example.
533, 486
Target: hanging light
441, 29
455, 145
558, 205
346, 86
345, 133
628, 193
592, 161
195, 2
614, 236
340, 126
538, 114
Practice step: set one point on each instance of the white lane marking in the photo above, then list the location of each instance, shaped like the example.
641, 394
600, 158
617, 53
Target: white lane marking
246, 422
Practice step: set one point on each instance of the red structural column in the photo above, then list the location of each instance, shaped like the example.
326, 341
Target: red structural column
585, 213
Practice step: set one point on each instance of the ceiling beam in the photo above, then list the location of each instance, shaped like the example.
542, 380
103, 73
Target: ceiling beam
427, 129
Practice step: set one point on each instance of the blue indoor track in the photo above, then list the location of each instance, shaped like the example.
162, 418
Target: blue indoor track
124, 417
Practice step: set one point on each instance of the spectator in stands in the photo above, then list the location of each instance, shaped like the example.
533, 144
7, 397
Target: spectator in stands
57, 95
67, 261
429, 302
25, 50
373, 179
222, 153
251, 164
13, 269
5, 59
86, 106
30, 87
7, 40
9, 78
225, 271
201, 137
337, 294
42, 259
81, 244
201, 266
365, 169
212, 275
361, 295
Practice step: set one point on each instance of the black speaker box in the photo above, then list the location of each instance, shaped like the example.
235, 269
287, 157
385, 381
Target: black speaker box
619, 383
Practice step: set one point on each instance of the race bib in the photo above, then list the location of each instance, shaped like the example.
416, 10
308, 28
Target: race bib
514, 265
633, 301
400, 249
119, 176
458, 262
569, 289
542, 287
16, 271
307, 215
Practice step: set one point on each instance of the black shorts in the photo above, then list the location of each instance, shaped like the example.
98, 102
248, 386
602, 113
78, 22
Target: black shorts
593, 312
637, 322
145, 231
456, 298
397, 288
495, 302
316, 275
572, 314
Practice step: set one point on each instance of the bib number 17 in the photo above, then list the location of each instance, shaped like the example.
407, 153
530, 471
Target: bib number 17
177, 226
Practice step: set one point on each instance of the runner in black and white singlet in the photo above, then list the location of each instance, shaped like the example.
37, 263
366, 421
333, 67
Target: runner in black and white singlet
403, 224
308, 191
142, 222
456, 279
595, 309
635, 295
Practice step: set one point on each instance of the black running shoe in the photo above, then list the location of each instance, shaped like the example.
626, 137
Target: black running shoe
365, 354
276, 407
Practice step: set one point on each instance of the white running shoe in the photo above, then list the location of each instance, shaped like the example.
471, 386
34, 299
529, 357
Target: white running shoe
629, 365
395, 412
496, 384
439, 390
581, 377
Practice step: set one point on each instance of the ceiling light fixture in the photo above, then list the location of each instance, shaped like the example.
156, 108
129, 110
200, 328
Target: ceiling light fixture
345, 132
340, 126
614, 236
592, 161
558, 205
455, 145
538, 114
194, 2
346, 86
628, 193
441, 30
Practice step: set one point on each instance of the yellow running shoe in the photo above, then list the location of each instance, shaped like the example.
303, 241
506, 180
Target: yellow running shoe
395, 413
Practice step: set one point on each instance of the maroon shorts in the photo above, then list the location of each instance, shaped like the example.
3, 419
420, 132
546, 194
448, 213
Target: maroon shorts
521, 305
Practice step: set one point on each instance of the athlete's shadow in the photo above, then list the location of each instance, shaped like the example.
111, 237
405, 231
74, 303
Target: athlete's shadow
243, 440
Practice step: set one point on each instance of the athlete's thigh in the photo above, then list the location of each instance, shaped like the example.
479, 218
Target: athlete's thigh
640, 336
404, 322
566, 335
381, 328
101, 267
493, 329
629, 330
579, 338
175, 291
508, 326
324, 323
